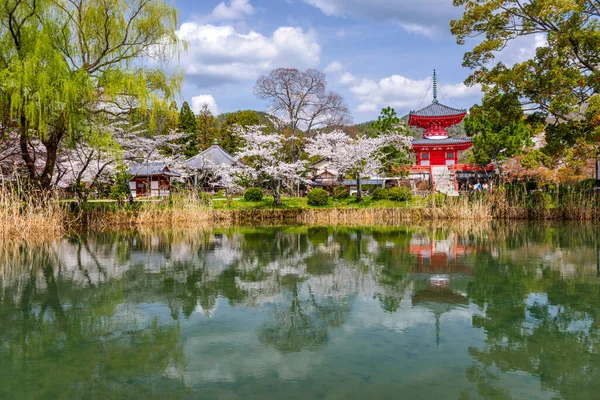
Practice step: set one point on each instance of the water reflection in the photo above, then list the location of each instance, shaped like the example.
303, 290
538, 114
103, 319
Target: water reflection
454, 312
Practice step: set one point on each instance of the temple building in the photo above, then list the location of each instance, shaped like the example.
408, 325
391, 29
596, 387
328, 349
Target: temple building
436, 147
437, 153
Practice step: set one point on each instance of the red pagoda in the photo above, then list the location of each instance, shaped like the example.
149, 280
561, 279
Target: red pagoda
435, 147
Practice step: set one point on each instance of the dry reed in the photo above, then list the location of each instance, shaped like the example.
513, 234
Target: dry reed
30, 216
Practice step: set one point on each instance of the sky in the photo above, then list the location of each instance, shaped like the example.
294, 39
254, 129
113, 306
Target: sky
375, 53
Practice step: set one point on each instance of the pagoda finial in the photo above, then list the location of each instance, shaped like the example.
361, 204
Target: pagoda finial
435, 100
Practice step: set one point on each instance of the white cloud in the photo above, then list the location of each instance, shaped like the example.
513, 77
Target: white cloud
218, 54
334, 67
424, 17
204, 99
417, 29
400, 92
237, 9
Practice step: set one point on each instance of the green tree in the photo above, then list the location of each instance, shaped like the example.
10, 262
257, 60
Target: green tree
187, 119
499, 128
560, 78
207, 128
187, 124
228, 138
388, 122
60, 72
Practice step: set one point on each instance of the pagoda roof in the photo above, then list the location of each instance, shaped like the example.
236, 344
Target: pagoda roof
436, 109
424, 141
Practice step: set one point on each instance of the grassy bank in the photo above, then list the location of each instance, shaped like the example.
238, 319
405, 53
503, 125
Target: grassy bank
32, 216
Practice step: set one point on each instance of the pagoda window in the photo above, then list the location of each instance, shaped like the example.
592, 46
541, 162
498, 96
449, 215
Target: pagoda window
425, 156
449, 155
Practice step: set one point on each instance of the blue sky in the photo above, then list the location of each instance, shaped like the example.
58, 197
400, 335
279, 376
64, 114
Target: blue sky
375, 53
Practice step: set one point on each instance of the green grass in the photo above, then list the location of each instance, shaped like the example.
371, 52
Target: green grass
288, 203
293, 203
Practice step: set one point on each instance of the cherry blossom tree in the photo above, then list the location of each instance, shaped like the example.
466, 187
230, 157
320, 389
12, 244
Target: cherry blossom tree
266, 161
358, 157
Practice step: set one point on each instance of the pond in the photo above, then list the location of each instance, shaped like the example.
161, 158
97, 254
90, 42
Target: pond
493, 311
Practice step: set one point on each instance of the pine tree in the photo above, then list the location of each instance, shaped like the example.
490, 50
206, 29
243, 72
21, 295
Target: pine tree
187, 124
206, 128
187, 119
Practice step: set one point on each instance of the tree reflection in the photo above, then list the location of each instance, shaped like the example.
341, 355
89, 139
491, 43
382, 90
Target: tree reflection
301, 322
66, 340
538, 322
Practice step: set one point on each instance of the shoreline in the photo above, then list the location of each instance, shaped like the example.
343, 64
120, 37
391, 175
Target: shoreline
318, 216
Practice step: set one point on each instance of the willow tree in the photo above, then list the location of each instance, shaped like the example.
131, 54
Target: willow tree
68, 64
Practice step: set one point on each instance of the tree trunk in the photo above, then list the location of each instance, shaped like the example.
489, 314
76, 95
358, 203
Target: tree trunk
23, 143
45, 179
358, 189
276, 194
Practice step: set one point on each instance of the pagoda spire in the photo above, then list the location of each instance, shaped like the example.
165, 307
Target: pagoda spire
435, 100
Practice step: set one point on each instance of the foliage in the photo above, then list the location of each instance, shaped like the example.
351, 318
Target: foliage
187, 124
539, 199
536, 158
400, 193
253, 194
341, 192
317, 197
187, 119
388, 123
499, 128
559, 80
562, 73
120, 189
229, 138
207, 129
380, 194
60, 73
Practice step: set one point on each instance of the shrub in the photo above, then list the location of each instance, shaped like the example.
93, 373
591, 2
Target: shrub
254, 194
317, 197
587, 184
540, 200
220, 193
341, 192
400, 193
120, 190
380, 194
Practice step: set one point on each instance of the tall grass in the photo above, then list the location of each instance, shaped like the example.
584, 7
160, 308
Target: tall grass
28, 215
187, 207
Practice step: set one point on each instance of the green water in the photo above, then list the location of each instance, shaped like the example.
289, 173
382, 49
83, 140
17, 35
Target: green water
417, 313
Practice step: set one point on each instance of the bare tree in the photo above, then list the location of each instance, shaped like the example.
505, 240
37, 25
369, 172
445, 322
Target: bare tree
302, 100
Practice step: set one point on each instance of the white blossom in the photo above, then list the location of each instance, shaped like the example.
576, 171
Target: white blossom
266, 161
359, 157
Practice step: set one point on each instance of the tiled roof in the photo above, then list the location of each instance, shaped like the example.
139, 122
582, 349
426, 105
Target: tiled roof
150, 168
437, 110
213, 156
433, 142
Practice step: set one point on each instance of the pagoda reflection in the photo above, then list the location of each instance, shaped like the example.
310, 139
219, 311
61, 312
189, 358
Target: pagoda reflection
441, 256
441, 274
